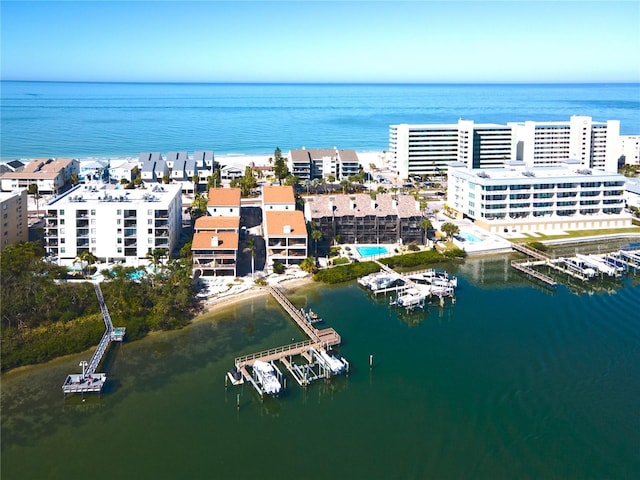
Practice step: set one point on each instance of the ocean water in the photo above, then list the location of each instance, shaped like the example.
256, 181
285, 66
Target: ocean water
80, 120
513, 381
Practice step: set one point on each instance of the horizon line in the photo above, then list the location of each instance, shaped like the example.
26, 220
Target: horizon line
184, 82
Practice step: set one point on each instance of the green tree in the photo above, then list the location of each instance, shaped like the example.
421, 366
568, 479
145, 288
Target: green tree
450, 229
316, 235
309, 265
32, 189
280, 168
291, 180
86, 258
426, 225
194, 180
251, 245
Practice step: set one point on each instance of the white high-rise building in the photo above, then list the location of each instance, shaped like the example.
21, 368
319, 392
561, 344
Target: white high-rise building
630, 149
115, 224
594, 144
430, 148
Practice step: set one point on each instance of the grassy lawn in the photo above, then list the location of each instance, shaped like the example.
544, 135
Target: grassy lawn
574, 234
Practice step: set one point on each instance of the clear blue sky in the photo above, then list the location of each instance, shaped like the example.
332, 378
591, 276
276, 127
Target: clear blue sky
330, 41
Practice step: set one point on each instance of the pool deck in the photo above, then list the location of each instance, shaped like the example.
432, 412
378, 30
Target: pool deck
351, 250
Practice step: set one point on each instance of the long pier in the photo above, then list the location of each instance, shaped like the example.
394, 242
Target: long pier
89, 380
319, 341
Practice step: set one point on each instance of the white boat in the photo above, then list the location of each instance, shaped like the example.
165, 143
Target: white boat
435, 277
383, 281
578, 267
336, 365
411, 298
266, 375
597, 264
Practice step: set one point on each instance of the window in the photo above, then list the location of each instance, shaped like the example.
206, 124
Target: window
63, 250
119, 212
93, 212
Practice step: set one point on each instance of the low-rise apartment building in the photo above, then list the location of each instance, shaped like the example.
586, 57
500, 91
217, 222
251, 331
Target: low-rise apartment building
116, 225
216, 240
312, 163
14, 226
286, 236
215, 246
51, 176
361, 219
518, 198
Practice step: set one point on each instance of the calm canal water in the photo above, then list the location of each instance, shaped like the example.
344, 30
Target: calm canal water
513, 381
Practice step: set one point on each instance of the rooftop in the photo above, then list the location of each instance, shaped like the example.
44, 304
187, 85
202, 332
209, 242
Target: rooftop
228, 197
278, 194
95, 193
277, 221
215, 223
205, 241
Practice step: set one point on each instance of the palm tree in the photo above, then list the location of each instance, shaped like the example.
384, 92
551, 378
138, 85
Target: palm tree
450, 229
194, 179
33, 190
251, 243
86, 258
316, 235
426, 225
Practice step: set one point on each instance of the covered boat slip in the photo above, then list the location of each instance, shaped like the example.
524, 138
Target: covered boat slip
314, 359
580, 266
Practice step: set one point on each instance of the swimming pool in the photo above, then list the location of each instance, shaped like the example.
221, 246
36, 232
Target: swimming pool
136, 275
470, 237
372, 251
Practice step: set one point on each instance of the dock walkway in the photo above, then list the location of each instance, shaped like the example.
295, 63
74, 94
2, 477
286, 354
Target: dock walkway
89, 380
319, 340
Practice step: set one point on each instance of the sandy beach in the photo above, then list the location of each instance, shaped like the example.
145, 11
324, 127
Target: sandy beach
366, 158
217, 303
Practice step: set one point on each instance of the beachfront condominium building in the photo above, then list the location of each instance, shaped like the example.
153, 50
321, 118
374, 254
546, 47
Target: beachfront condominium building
518, 198
286, 236
177, 168
542, 144
51, 176
361, 219
317, 163
14, 226
114, 224
429, 149
630, 149
216, 240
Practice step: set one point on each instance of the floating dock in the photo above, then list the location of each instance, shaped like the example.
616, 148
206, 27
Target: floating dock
320, 363
413, 288
89, 381
581, 267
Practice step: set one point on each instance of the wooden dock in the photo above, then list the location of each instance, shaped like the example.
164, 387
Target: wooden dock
319, 340
89, 380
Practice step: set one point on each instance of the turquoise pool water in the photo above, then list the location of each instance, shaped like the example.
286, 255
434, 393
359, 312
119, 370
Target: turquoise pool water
372, 251
470, 237
137, 275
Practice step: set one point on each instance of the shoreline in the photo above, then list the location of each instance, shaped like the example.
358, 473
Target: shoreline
215, 305
365, 156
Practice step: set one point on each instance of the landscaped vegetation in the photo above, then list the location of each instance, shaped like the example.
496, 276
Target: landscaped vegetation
343, 273
43, 316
